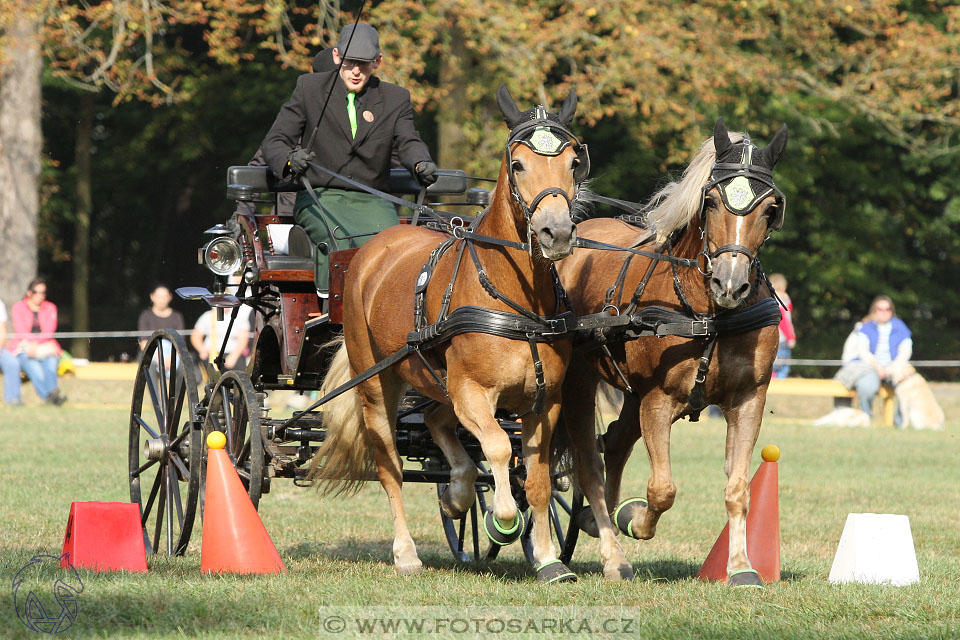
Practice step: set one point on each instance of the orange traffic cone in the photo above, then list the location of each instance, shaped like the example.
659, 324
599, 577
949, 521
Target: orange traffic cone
763, 527
234, 538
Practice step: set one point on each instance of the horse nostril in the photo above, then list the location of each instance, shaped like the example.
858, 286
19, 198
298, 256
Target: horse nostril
547, 233
742, 290
716, 283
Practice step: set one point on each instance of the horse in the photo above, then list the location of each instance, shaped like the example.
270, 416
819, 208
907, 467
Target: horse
716, 217
406, 276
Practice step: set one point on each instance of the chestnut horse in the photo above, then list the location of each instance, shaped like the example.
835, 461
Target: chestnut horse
718, 214
527, 226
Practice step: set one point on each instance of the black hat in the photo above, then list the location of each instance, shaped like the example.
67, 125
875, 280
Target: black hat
364, 46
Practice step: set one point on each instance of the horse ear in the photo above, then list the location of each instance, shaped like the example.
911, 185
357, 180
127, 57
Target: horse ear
772, 152
568, 108
721, 139
511, 114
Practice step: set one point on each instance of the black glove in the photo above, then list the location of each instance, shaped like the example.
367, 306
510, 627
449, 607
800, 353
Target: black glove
298, 160
426, 173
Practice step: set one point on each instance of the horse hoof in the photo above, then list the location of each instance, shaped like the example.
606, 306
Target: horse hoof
745, 578
447, 507
623, 516
554, 571
500, 533
410, 569
586, 522
623, 572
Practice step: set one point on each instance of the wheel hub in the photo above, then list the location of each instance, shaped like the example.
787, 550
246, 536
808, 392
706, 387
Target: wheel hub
155, 448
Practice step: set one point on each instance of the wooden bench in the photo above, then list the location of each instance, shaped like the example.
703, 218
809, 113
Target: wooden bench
833, 389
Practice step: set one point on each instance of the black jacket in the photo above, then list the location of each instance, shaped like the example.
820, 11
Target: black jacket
365, 158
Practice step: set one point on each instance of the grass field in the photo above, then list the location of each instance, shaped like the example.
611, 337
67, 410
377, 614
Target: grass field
338, 552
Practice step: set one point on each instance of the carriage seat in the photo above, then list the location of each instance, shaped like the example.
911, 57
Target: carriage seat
248, 183
292, 248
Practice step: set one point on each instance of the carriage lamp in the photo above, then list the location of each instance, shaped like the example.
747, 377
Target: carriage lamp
223, 256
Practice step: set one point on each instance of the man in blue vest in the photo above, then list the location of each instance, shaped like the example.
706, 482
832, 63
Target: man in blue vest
365, 121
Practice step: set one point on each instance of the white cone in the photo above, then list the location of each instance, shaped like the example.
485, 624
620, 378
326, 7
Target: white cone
875, 548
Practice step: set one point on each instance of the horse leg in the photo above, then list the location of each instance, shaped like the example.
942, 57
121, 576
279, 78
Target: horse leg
621, 435
461, 492
380, 397
579, 405
743, 428
537, 437
474, 407
661, 490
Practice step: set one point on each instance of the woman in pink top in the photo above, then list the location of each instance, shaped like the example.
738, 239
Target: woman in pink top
39, 355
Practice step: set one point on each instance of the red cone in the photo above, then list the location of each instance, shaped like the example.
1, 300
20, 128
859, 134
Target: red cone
763, 527
104, 536
234, 538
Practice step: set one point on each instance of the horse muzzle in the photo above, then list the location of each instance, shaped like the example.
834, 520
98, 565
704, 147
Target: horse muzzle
556, 236
730, 280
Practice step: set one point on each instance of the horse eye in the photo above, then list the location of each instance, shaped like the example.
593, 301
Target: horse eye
710, 202
575, 163
517, 166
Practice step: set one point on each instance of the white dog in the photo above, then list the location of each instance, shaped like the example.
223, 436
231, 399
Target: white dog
918, 407
843, 417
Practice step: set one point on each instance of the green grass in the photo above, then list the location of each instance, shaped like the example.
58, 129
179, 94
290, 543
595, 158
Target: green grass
338, 552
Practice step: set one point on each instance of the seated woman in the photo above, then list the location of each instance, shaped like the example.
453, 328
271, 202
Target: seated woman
880, 341
38, 356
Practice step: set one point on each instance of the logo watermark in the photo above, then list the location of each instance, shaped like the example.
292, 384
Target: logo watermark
477, 622
46, 594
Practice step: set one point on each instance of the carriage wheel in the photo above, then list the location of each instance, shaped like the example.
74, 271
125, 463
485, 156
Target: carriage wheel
563, 529
464, 536
164, 444
234, 409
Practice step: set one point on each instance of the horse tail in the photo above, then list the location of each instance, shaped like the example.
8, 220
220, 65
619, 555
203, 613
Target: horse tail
344, 461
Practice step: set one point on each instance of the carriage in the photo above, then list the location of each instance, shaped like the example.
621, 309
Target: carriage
484, 435
169, 420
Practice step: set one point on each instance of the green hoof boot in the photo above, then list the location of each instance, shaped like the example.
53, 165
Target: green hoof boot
500, 533
623, 516
746, 578
554, 571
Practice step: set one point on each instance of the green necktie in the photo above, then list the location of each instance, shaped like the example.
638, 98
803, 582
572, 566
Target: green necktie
352, 114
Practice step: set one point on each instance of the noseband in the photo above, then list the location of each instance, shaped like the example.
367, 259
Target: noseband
740, 199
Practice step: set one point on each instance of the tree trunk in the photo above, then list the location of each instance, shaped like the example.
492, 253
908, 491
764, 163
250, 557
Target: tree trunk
20, 147
451, 144
81, 238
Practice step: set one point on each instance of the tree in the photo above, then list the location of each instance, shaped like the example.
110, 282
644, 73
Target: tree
20, 137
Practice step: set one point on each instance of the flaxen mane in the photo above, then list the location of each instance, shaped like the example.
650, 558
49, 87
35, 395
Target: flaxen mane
680, 201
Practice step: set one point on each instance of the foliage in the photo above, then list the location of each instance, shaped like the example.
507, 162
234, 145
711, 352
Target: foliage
870, 90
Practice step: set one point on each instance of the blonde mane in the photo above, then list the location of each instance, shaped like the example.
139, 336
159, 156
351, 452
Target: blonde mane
680, 201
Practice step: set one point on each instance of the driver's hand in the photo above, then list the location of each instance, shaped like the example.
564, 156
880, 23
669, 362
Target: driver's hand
426, 173
298, 160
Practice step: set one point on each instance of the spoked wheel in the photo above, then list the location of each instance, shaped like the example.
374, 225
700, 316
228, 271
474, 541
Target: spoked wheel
563, 528
465, 537
164, 444
234, 409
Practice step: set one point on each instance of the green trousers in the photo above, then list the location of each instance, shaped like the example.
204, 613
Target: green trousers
343, 214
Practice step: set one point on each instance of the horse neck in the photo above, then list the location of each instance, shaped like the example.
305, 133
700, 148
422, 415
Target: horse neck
525, 280
695, 285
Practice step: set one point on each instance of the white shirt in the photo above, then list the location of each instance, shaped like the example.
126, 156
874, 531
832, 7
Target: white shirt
213, 331
3, 312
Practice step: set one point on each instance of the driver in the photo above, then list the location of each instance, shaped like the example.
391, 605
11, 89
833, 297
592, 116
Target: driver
365, 120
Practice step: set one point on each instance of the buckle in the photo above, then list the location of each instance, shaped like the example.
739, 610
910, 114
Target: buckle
699, 327
558, 326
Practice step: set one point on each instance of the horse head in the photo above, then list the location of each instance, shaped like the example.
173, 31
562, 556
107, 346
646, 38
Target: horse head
545, 163
741, 205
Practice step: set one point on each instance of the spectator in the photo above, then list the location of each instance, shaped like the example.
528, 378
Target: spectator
9, 365
160, 315
880, 341
788, 339
39, 356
